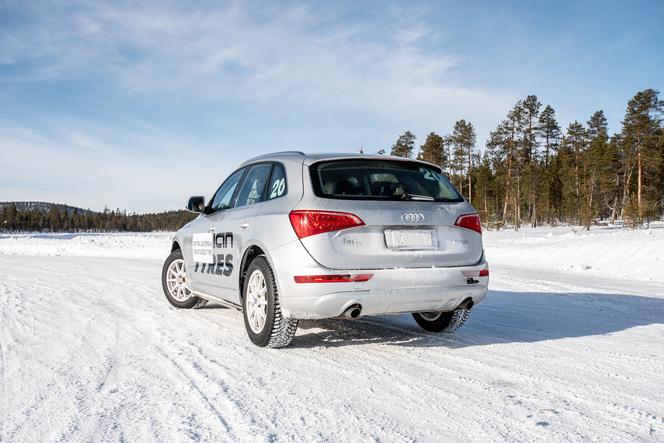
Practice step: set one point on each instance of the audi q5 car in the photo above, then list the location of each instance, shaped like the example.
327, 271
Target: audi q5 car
290, 236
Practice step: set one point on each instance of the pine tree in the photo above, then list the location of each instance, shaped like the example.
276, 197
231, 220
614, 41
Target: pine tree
433, 150
404, 145
463, 140
640, 130
502, 145
602, 162
447, 154
550, 135
550, 132
555, 192
485, 183
54, 218
574, 145
529, 153
658, 179
12, 216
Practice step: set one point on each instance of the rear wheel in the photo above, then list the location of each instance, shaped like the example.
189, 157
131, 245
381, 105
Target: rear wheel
265, 324
441, 321
174, 283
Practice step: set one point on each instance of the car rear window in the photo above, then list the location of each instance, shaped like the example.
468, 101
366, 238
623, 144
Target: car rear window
368, 179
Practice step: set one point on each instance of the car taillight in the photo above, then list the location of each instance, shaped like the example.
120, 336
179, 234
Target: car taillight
306, 223
469, 221
333, 278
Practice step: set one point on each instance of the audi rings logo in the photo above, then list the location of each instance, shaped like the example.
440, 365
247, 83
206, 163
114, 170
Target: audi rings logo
412, 217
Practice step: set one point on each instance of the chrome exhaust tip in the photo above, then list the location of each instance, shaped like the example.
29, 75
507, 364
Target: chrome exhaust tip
352, 312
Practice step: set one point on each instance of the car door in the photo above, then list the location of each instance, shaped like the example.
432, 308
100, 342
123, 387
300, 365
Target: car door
206, 272
232, 229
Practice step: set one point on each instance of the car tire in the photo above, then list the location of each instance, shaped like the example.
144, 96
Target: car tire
265, 323
174, 283
441, 321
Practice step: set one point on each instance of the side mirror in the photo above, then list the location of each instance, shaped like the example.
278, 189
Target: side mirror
196, 204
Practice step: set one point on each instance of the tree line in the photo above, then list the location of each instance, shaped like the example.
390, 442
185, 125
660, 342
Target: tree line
62, 218
532, 172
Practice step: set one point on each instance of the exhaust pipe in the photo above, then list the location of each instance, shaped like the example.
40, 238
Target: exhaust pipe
353, 311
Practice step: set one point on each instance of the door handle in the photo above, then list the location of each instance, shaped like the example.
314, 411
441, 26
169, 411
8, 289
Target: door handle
244, 225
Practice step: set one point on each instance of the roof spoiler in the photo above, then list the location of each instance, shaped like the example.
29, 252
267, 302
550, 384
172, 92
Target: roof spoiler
273, 154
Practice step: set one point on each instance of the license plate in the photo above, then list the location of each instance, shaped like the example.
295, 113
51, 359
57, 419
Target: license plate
411, 239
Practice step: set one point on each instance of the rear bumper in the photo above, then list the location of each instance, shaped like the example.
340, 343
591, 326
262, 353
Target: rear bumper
389, 291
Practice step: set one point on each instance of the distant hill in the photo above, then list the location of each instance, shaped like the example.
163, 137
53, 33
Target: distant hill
45, 207
57, 217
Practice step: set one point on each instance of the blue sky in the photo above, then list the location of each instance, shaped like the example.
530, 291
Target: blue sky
139, 105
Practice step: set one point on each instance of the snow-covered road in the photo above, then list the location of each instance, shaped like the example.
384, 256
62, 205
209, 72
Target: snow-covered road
90, 350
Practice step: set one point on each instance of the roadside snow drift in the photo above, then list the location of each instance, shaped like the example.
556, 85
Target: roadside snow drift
568, 346
602, 252
155, 245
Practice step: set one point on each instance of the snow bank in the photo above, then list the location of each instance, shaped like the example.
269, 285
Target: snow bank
619, 253
154, 245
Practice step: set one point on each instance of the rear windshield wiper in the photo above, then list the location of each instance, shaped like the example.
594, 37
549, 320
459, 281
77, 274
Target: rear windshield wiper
407, 196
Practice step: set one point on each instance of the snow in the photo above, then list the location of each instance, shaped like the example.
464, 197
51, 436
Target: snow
602, 252
91, 351
153, 245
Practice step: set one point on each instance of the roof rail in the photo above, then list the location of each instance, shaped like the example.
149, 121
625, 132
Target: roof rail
273, 154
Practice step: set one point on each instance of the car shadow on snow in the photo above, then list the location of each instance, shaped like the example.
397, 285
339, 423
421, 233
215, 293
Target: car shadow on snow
504, 317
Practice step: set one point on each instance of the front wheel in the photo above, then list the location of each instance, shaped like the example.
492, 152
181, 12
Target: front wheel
265, 324
441, 321
174, 283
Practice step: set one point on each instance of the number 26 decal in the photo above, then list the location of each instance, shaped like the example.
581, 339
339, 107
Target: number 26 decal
278, 188
428, 174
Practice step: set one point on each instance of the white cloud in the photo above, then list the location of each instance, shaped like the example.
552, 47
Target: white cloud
257, 55
244, 56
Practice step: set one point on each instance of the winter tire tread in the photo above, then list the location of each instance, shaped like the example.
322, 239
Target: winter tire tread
282, 329
446, 323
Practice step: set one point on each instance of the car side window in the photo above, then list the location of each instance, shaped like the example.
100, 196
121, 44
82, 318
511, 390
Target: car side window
222, 199
278, 185
253, 185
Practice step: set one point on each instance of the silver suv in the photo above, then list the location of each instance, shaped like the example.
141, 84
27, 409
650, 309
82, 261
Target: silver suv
291, 236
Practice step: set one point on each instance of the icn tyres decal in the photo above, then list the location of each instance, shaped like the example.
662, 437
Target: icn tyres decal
209, 251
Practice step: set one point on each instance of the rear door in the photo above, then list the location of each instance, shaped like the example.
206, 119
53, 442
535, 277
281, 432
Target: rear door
409, 210
220, 237
234, 227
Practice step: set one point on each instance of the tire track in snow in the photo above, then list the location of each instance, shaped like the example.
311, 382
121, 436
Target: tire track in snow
139, 370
